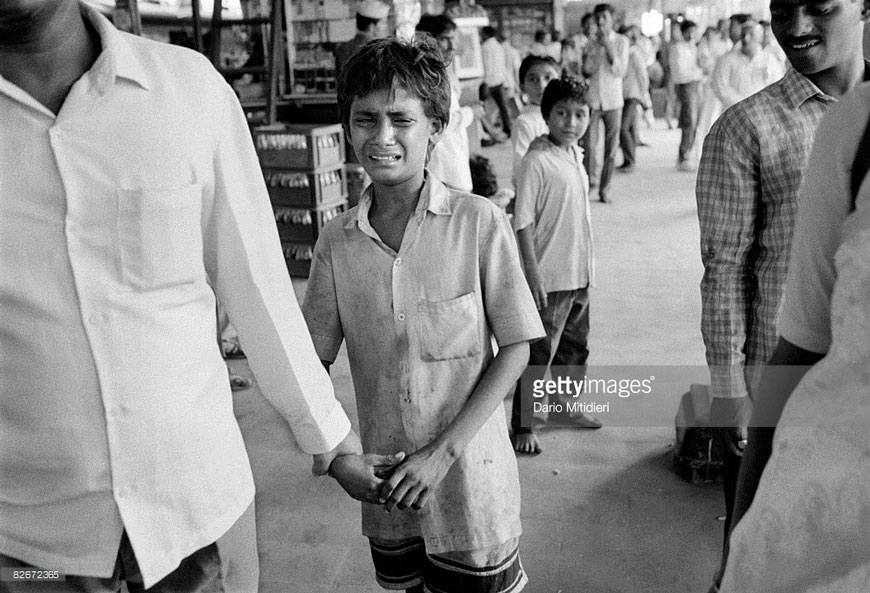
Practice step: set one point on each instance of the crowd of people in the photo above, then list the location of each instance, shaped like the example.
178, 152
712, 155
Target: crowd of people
119, 234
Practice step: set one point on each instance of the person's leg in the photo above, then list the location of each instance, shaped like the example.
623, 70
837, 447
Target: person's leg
693, 97
69, 584
198, 573
495, 569
730, 469
497, 94
628, 134
240, 565
540, 352
399, 564
612, 123
573, 351
685, 121
590, 147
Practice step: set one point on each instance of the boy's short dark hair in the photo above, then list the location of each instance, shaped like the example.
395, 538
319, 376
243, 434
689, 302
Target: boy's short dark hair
686, 26
418, 66
740, 18
363, 22
533, 60
599, 8
435, 24
483, 179
567, 88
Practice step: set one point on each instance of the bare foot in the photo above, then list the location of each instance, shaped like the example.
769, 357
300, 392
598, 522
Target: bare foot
527, 442
573, 421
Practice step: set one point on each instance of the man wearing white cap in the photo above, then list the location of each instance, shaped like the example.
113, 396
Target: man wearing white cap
371, 23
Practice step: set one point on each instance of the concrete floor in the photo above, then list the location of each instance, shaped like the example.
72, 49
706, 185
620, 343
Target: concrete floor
602, 511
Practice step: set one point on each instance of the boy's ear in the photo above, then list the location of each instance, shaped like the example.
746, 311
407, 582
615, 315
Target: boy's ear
436, 130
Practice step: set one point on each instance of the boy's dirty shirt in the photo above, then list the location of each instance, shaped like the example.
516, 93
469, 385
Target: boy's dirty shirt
418, 327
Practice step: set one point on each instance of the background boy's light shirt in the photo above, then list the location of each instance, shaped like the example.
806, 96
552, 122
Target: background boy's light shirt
527, 126
553, 193
116, 216
417, 325
449, 158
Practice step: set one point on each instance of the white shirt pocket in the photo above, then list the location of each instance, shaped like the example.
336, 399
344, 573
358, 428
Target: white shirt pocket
160, 237
449, 329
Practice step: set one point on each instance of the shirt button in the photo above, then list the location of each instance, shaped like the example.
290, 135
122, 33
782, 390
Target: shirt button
398, 261
97, 319
401, 317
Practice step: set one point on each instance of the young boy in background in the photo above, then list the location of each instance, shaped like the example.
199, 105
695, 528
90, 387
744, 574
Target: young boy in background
417, 278
554, 233
535, 73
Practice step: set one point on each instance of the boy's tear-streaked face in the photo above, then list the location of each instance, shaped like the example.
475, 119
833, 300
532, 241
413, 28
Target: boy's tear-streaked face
390, 134
536, 80
568, 121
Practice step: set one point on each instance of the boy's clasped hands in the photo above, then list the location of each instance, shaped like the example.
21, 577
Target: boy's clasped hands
393, 480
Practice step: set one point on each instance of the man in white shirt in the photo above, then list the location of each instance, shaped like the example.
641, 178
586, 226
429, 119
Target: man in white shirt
606, 62
130, 197
495, 74
745, 70
686, 77
635, 90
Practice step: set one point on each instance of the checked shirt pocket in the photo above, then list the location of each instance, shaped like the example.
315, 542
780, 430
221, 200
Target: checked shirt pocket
160, 237
449, 329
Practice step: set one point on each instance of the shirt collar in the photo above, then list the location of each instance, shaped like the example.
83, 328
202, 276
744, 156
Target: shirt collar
117, 58
798, 88
434, 198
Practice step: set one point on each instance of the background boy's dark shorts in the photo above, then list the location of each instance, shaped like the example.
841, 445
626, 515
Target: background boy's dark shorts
403, 564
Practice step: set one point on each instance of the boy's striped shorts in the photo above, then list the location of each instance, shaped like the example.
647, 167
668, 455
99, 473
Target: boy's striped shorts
403, 564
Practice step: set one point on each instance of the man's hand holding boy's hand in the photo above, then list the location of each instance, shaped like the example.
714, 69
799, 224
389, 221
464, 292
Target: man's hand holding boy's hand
362, 476
415, 479
351, 445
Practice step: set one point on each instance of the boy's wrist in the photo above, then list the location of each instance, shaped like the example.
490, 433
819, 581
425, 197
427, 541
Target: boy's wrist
449, 449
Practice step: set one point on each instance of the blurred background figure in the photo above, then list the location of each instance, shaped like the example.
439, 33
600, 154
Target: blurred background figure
371, 23
495, 75
635, 91
449, 159
745, 70
686, 78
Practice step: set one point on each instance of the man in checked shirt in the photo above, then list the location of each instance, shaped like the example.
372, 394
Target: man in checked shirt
750, 171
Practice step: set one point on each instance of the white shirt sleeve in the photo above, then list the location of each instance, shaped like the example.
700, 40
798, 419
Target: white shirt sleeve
248, 272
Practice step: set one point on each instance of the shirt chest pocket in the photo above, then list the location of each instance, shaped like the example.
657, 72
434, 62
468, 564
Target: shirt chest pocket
159, 236
449, 329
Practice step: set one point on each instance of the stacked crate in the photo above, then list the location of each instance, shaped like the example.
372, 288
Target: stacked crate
304, 170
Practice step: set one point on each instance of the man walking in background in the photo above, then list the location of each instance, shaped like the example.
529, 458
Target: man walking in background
605, 64
496, 74
686, 77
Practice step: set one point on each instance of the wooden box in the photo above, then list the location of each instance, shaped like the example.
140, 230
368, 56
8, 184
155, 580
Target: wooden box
303, 225
299, 146
309, 189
